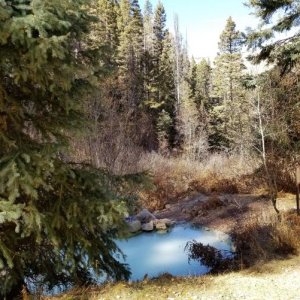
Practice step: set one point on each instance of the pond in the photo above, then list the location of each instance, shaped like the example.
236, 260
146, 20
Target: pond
155, 253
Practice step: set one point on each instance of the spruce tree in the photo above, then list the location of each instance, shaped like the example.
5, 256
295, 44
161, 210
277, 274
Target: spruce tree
231, 40
159, 29
107, 14
104, 31
148, 52
130, 51
276, 17
193, 76
230, 114
190, 125
57, 218
187, 116
203, 87
178, 53
158, 77
167, 91
148, 27
229, 59
154, 101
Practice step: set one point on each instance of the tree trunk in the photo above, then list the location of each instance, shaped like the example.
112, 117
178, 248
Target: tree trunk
270, 181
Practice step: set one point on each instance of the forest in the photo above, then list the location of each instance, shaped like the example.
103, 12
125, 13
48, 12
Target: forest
103, 112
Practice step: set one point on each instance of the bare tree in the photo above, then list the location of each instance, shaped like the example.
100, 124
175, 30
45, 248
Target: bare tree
271, 178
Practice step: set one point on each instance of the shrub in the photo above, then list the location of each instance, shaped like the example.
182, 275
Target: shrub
176, 177
267, 237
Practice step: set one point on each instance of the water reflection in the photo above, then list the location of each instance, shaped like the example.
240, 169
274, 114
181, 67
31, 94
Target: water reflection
154, 253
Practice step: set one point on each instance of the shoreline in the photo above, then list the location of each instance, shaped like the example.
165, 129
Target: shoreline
231, 212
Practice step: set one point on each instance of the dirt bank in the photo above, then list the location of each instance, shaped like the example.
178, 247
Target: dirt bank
223, 212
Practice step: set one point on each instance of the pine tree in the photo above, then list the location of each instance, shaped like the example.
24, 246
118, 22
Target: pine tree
167, 91
47, 69
148, 27
193, 76
189, 123
178, 51
148, 53
158, 72
105, 29
159, 29
230, 114
130, 51
283, 52
229, 59
155, 79
230, 39
203, 87
167, 73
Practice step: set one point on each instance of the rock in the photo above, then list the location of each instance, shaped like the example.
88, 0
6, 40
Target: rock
168, 222
167, 206
160, 225
145, 216
134, 226
148, 226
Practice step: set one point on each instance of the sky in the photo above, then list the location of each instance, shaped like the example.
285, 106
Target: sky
202, 21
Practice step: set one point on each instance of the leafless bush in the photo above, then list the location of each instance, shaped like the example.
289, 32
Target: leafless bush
177, 177
266, 237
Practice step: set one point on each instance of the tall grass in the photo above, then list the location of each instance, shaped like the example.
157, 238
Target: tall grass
176, 177
267, 237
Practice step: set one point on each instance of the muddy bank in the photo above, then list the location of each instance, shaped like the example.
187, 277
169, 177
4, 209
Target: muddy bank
222, 212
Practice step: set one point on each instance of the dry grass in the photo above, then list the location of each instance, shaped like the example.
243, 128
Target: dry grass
275, 280
176, 178
267, 237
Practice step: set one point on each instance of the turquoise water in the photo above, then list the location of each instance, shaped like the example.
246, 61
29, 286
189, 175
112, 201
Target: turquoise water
155, 253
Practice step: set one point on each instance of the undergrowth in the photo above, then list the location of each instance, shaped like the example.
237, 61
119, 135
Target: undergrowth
176, 178
267, 237
258, 240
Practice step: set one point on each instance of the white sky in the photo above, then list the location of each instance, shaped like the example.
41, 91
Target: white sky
203, 21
